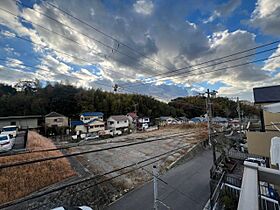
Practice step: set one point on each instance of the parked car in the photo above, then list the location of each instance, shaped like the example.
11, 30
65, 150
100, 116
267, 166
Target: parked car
82, 136
259, 161
6, 142
10, 130
109, 133
72, 208
92, 136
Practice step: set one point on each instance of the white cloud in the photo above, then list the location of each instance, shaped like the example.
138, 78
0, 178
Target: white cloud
266, 16
224, 10
176, 43
273, 64
144, 7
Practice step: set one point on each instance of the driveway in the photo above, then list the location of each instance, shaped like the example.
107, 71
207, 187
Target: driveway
191, 183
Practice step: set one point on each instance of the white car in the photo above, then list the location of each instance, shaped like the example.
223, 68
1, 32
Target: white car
6, 143
91, 136
10, 130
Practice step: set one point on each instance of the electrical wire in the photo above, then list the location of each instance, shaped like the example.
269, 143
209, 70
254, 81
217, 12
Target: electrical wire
211, 65
216, 70
87, 144
77, 31
80, 181
105, 34
65, 37
59, 51
28, 162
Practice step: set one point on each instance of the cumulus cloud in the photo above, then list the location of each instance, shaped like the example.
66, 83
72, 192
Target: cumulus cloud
171, 40
273, 64
266, 16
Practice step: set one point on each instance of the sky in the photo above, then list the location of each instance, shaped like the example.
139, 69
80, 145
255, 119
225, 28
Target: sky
134, 43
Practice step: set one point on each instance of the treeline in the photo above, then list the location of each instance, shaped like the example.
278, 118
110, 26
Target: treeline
71, 101
193, 106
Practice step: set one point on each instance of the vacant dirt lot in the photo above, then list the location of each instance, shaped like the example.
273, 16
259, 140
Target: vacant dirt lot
20, 181
102, 162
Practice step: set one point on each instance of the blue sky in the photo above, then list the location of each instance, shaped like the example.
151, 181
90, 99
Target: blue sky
144, 39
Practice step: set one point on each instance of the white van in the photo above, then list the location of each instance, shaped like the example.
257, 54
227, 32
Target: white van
10, 130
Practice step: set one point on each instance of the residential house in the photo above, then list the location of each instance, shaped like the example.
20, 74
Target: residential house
198, 119
55, 119
93, 126
118, 122
29, 121
133, 119
166, 120
88, 116
143, 123
90, 122
259, 142
182, 120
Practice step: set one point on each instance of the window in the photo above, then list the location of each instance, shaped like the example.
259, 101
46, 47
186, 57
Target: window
125, 121
3, 138
118, 122
55, 120
91, 126
13, 123
111, 123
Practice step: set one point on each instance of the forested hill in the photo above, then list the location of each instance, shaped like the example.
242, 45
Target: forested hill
71, 101
221, 106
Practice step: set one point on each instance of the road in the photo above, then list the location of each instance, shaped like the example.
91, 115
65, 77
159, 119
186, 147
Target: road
191, 181
19, 142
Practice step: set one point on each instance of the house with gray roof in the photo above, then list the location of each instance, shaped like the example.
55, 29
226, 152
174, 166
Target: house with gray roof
118, 122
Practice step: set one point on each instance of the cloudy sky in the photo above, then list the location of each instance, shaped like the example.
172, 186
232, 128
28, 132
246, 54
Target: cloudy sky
135, 43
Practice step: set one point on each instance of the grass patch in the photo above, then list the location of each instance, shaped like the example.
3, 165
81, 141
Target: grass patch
17, 182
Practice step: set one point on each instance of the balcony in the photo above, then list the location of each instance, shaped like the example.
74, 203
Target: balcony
257, 190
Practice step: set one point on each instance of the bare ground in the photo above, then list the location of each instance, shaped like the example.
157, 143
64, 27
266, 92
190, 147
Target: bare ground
176, 136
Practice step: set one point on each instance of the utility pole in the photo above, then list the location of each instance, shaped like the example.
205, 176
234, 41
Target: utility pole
209, 121
115, 88
239, 114
135, 108
155, 175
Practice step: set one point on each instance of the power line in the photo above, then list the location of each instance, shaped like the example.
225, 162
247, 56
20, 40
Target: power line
105, 34
77, 31
72, 40
224, 68
229, 67
88, 144
59, 51
205, 67
216, 59
40, 194
20, 163
171, 186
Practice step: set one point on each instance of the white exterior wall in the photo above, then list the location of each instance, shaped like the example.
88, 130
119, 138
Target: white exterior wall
81, 128
144, 120
113, 124
56, 121
24, 123
96, 126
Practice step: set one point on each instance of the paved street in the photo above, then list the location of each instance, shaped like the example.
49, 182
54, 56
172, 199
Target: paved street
19, 142
190, 179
